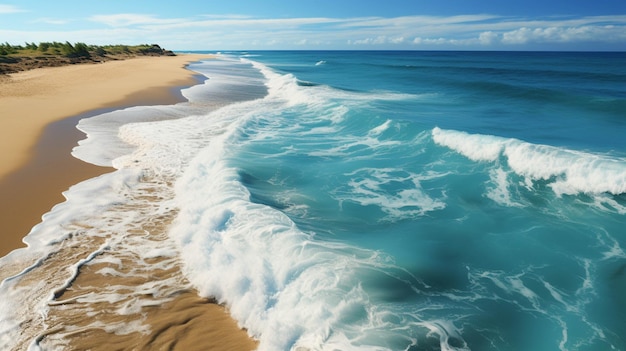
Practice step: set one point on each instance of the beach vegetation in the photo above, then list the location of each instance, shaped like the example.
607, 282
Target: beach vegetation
8, 49
80, 50
15, 58
117, 49
31, 46
43, 47
75, 51
98, 50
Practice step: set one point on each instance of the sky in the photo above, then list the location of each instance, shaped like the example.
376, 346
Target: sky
185, 25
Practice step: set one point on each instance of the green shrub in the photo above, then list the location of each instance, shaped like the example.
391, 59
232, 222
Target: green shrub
76, 50
43, 47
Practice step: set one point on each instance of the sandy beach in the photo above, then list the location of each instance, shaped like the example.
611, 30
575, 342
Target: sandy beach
32, 101
38, 113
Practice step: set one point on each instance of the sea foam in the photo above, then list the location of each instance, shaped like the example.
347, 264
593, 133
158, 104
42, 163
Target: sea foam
568, 171
284, 286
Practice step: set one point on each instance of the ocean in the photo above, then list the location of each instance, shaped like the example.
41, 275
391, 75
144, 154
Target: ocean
366, 200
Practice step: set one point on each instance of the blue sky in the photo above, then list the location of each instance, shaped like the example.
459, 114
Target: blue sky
322, 24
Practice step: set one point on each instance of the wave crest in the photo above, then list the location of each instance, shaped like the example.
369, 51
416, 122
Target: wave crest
568, 171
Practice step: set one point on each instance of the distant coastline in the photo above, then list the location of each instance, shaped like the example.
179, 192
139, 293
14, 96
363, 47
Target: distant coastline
18, 58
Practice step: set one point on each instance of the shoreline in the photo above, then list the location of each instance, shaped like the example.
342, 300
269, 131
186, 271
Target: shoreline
40, 167
35, 98
39, 126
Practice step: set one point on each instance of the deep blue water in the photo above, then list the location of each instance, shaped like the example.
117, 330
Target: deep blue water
427, 200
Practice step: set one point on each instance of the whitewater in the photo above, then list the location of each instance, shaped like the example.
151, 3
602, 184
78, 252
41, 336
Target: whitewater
352, 201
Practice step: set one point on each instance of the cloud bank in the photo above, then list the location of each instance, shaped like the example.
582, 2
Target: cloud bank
238, 32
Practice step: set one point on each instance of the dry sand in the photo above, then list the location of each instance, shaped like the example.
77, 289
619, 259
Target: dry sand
35, 168
34, 126
33, 99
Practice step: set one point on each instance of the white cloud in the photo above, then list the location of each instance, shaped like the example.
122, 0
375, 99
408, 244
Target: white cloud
487, 38
129, 19
379, 40
430, 41
231, 16
371, 41
412, 21
208, 21
54, 21
518, 36
205, 31
524, 35
5, 9
274, 24
483, 31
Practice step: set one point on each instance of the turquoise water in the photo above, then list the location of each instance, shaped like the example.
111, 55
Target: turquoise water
440, 200
389, 200
427, 201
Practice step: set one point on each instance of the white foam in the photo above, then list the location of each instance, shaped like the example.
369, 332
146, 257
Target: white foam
64, 222
104, 142
285, 86
473, 146
280, 284
500, 192
103, 145
367, 188
108, 207
567, 171
380, 129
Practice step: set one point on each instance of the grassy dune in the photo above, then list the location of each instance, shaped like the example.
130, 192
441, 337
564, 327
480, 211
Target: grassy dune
16, 58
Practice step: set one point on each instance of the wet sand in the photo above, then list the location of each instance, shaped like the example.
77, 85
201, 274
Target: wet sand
38, 113
34, 125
